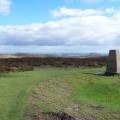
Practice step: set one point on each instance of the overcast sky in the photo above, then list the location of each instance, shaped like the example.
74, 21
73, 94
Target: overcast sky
59, 26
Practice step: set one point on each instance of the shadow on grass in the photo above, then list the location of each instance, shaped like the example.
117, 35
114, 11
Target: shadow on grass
3, 74
103, 74
11, 75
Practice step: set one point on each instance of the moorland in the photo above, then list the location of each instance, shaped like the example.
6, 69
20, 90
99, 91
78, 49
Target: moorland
33, 88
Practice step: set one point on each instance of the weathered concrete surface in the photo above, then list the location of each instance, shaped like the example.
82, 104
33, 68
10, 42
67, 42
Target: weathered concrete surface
113, 63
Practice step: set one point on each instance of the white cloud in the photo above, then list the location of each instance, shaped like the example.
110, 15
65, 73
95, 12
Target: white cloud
76, 27
5, 6
67, 12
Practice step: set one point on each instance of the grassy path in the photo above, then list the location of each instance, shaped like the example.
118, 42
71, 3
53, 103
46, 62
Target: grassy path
78, 92
13, 93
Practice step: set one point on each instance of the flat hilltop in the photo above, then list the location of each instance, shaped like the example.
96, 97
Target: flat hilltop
8, 56
67, 55
3, 56
60, 94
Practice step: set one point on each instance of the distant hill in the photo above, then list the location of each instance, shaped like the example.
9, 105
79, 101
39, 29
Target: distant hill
76, 55
8, 56
82, 55
95, 55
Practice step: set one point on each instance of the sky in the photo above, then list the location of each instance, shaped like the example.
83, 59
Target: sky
59, 26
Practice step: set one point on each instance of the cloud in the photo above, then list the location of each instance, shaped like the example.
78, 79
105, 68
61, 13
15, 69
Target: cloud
75, 27
5, 6
65, 12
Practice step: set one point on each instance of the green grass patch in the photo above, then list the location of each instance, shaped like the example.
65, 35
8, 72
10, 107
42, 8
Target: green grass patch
75, 91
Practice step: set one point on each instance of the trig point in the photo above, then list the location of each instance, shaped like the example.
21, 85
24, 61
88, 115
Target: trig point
113, 63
